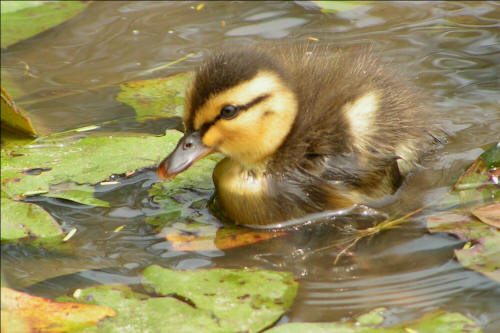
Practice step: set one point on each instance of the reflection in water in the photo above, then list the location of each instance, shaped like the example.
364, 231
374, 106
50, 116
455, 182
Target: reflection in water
451, 50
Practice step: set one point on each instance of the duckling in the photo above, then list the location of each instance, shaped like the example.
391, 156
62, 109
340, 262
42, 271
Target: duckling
303, 129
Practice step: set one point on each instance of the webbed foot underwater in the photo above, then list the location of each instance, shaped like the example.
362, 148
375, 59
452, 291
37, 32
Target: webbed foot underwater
303, 129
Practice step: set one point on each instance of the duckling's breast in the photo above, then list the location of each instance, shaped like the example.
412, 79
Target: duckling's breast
262, 197
243, 195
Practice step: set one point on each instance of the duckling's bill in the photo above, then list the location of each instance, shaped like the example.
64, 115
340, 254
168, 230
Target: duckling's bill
189, 150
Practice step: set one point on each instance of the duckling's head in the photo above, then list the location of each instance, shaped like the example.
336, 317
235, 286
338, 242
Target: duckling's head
240, 103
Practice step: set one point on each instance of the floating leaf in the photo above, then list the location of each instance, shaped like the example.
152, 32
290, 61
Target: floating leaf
219, 300
22, 20
156, 98
136, 312
477, 185
240, 300
21, 311
21, 220
433, 322
33, 169
15, 118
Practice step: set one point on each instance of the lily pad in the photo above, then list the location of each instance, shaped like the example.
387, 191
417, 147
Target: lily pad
22, 220
24, 19
434, 322
479, 184
15, 118
156, 98
35, 168
218, 300
240, 300
25, 313
138, 312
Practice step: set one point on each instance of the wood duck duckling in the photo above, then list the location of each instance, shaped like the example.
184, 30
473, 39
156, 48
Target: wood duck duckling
304, 129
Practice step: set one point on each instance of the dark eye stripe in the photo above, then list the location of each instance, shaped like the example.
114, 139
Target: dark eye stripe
204, 128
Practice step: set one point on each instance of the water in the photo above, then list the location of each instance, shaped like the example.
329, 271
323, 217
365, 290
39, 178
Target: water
449, 49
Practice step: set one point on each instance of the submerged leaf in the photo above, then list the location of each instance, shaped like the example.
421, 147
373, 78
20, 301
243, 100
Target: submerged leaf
23, 311
240, 300
194, 236
156, 98
489, 214
22, 20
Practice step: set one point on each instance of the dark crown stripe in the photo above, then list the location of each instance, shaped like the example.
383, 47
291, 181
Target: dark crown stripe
204, 128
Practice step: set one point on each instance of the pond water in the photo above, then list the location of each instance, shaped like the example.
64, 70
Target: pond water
449, 49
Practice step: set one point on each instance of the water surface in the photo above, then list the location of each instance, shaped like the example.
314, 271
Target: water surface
451, 50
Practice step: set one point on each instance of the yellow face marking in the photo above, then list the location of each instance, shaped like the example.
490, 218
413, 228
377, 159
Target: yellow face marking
257, 132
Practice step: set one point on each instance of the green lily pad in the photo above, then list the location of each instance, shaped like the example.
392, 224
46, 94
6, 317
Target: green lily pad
434, 322
24, 19
22, 220
240, 300
138, 312
156, 98
35, 168
339, 6
218, 300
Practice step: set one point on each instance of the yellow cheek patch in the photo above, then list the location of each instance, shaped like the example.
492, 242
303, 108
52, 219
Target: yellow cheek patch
212, 137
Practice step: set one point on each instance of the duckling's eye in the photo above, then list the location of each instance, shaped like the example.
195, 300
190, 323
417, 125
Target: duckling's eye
229, 112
